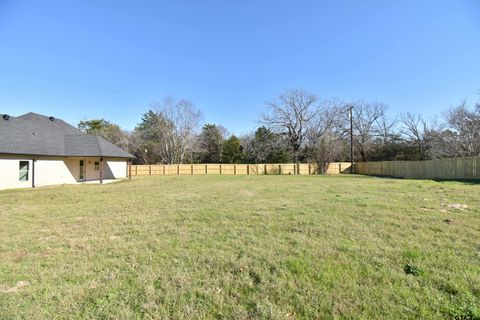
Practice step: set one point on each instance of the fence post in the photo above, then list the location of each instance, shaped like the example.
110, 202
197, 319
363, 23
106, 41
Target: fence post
220, 168
191, 168
163, 169
150, 170
234, 169
279, 169
265, 171
178, 169
248, 169
136, 170
309, 171
206, 169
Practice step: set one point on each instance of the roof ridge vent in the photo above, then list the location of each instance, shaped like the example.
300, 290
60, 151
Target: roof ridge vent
6, 117
51, 118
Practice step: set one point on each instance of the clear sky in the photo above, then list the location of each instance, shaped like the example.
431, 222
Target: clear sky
83, 59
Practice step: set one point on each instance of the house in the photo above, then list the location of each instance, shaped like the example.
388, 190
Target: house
37, 150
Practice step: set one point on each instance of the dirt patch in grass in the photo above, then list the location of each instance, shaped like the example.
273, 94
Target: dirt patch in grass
459, 206
17, 287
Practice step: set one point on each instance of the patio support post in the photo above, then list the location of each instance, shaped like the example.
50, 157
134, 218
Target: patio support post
33, 172
101, 170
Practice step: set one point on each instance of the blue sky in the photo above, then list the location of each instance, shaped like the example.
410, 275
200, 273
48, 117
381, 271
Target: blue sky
111, 59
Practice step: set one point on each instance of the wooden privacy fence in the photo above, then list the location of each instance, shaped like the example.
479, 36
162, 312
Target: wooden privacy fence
455, 168
236, 169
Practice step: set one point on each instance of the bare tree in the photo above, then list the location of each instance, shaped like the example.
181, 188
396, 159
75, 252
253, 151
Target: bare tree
427, 137
365, 125
415, 130
181, 120
325, 135
330, 147
466, 125
166, 133
385, 129
386, 134
290, 115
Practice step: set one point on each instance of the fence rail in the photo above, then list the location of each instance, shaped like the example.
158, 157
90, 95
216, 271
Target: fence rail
448, 169
236, 169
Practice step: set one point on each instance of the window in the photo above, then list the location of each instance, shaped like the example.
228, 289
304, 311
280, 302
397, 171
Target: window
23, 170
81, 175
97, 165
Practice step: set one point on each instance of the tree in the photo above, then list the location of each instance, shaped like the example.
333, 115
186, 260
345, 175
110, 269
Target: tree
232, 150
167, 131
327, 148
107, 130
182, 119
290, 116
426, 137
147, 138
138, 149
365, 121
210, 142
326, 136
387, 139
465, 124
415, 129
266, 146
442, 143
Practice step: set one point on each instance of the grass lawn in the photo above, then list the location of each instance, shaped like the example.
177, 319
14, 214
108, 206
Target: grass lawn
282, 247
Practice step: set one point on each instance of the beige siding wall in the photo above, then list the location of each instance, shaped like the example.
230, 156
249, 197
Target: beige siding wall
115, 169
90, 172
9, 173
50, 171
56, 170
112, 168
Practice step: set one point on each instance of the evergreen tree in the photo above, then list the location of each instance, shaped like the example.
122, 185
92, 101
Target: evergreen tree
232, 151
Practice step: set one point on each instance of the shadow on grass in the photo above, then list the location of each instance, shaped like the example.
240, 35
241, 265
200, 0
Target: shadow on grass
464, 181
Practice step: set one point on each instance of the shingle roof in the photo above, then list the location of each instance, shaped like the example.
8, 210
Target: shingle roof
35, 134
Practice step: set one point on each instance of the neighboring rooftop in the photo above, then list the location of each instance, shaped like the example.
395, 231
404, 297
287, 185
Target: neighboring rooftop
36, 134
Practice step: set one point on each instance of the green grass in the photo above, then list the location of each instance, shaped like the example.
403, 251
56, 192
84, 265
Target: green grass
282, 247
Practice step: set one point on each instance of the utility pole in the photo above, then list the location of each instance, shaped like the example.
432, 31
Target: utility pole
350, 114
